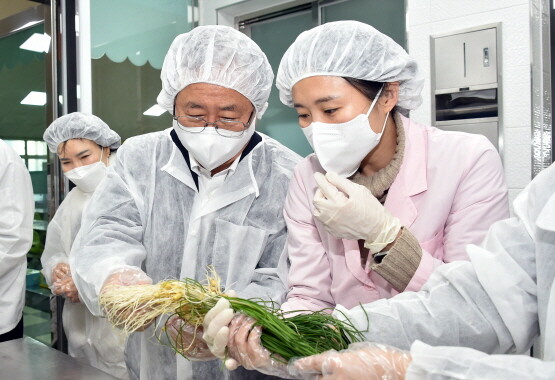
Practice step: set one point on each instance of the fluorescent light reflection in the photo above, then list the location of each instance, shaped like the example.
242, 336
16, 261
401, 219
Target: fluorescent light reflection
37, 42
35, 98
155, 110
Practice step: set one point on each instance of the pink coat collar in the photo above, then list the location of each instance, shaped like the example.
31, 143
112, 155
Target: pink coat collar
412, 177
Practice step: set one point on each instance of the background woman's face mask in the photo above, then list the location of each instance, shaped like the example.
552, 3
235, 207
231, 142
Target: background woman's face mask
87, 177
341, 147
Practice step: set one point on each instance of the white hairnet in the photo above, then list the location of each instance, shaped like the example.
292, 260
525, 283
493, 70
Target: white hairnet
349, 49
218, 55
78, 125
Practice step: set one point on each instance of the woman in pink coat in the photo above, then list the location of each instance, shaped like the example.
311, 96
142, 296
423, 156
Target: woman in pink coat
384, 200
415, 195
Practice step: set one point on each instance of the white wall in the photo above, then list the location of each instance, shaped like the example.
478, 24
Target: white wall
430, 17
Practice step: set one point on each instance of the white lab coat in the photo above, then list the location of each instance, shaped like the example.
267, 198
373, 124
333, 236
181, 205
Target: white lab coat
90, 339
17, 208
498, 303
148, 214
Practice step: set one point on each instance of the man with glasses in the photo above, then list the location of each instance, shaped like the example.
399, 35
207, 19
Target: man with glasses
208, 191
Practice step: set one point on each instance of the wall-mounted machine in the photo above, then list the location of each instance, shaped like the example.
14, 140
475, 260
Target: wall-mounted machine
466, 82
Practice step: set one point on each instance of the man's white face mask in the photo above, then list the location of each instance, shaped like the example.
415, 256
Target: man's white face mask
87, 177
340, 148
208, 147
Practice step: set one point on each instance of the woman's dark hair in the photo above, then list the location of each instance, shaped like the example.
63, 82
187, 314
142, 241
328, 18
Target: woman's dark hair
63, 147
367, 88
370, 90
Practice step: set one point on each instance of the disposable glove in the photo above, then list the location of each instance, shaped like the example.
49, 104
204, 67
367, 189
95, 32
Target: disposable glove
65, 287
368, 361
245, 349
350, 211
127, 277
188, 340
216, 321
60, 271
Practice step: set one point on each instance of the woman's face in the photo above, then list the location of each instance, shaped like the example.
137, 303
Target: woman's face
329, 99
80, 152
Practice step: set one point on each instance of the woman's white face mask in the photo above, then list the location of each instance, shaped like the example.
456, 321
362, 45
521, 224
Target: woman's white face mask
340, 148
87, 177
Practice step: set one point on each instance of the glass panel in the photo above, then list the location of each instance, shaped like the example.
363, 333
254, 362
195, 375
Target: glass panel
386, 16
36, 148
23, 72
279, 121
17, 145
129, 40
37, 165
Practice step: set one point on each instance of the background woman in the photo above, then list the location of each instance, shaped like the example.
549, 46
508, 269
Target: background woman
85, 146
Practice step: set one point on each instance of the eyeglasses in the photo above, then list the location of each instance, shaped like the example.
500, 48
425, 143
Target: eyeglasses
225, 128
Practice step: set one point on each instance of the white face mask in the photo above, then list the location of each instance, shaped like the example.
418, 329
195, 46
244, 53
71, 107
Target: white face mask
208, 147
340, 148
87, 177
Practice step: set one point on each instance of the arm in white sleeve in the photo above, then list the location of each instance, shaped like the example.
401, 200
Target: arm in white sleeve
54, 251
16, 235
17, 207
110, 237
460, 304
465, 363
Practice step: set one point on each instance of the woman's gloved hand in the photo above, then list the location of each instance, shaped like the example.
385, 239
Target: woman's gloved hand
60, 271
187, 340
368, 361
216, 329
65, 287
127, 277
350, 211
245, 349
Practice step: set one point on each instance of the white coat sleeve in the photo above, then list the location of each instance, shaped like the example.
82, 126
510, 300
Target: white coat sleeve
16, 215
54, 251
461, 305
465, 363
110, 237
16, 235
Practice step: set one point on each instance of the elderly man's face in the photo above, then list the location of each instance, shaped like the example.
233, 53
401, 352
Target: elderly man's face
212, 103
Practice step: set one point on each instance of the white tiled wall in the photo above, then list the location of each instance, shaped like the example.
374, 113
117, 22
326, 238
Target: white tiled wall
430, 17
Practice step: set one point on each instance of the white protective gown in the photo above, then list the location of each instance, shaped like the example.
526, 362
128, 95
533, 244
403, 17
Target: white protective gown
498, 303
17, 207
148, 214
90, 339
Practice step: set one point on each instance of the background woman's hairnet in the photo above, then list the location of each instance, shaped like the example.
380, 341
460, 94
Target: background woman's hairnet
78, 125
218, 55
349, 49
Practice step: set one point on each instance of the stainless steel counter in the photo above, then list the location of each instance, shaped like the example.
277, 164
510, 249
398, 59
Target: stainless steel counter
27, 358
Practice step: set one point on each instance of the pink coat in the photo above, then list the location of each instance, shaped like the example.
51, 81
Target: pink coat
449, 190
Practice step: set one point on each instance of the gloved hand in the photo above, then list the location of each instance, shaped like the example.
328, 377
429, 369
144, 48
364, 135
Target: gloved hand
245, 349
187, 340
216, 321
61, 270
350, 211
368, 361
66, 287
127, 277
